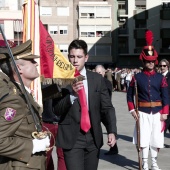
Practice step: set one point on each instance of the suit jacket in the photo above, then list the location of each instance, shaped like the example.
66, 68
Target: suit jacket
168, 81
109, 87
17, 126
168, 120
99, 102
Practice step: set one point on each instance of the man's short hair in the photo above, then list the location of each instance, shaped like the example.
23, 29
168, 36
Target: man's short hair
78, 44
99, 66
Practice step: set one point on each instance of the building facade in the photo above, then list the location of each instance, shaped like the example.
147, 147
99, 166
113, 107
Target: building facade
134, 18
11, 20
113, 29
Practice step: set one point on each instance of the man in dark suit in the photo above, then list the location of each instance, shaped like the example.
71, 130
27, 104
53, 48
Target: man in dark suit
81, 149
101, 70
164, 68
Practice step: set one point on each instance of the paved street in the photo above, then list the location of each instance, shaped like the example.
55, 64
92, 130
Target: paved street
127, 157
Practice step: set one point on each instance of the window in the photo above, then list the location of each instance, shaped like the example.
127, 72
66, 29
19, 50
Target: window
122, 43
18, 37
95, 31
121, 6
102, 31
140, 4
86, 11
87, 31
99, 50
63, 48
62, 11
45, 11
53, 29
103, 12
94, 12
140, 42
165, 43
46, 26
63, 30
2, 27
140, 24
103, 50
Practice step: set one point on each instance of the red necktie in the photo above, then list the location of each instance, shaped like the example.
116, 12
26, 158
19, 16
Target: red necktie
85, 119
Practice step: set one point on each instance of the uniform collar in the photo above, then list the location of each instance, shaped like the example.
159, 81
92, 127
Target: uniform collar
27, 89
149, 73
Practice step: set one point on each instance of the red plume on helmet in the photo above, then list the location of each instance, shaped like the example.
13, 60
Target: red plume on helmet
148, 52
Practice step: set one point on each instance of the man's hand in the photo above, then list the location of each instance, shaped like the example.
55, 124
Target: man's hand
77, 86
111, 140
40, 145
134, 114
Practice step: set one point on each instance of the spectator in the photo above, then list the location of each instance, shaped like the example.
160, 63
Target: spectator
128, 78
101, 70
164, 68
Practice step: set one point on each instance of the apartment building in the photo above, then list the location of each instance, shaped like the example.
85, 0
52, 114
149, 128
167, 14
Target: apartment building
87, 20
113, 29
95, 27
57, 17
11, 20
134, 18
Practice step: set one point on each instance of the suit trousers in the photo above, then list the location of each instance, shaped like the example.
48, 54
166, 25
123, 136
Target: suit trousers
53, 128
84, 155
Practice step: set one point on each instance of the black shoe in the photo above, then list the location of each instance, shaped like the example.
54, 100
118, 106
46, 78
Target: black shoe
166, 146
111, 153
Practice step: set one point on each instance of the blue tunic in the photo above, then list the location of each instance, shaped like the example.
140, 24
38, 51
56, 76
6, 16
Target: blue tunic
152, 87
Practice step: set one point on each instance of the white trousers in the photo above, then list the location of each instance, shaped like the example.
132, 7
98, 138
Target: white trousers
150, 130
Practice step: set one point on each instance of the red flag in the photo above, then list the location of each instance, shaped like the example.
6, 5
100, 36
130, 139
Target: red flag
53, 63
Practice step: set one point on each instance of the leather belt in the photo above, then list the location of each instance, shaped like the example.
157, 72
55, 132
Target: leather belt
149, 104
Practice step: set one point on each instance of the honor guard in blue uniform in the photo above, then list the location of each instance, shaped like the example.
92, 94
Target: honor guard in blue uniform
153, 104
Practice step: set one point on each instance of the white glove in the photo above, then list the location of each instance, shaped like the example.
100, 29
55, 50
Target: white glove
40, 144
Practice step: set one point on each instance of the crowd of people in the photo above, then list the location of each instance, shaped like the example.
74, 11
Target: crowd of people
120, 77
72, 120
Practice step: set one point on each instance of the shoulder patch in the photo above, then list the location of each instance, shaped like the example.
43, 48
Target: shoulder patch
10, 114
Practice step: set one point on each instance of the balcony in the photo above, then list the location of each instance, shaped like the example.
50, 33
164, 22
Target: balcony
139, 33
121, 13
165, 33
165, 14
95, 21
140, 14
